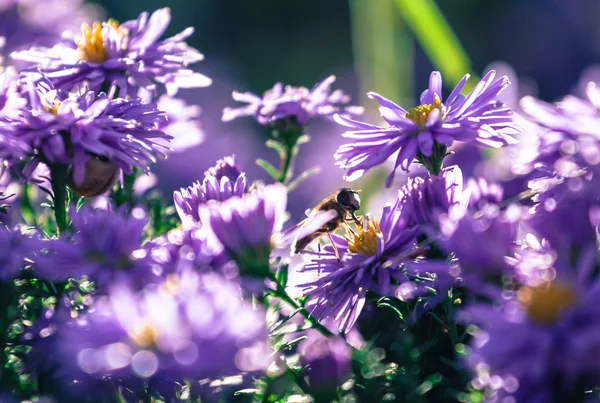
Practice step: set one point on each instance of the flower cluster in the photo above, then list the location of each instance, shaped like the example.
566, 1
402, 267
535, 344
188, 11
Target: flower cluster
462, 289
296, 103
128, 55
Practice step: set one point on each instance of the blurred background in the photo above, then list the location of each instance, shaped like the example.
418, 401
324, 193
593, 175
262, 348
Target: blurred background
387, 46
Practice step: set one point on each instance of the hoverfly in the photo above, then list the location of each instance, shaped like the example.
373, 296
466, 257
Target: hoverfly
326, 217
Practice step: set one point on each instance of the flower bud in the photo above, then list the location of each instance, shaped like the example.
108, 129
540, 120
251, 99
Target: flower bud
100, 175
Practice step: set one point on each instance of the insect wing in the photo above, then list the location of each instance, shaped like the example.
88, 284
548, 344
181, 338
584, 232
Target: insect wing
312, 224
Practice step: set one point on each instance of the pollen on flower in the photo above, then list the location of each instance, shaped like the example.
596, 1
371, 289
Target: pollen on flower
53, 109
144, 335
91, 42
545, 302
420, 114
365, 241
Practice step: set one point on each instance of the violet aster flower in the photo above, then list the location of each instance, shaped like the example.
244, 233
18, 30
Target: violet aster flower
427, 199
481, 241
248, 226
89, 133
568, 133
568, 213
103, 247
425, 131
370, 259
24, 23
298, 103
543, 344
327, 363
182, 249
221, 182
182, 123
16, 249
128, 55
483, 192
11, 102
160, 338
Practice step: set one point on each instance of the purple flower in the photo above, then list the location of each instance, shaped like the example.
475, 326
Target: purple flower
88, 130
221, 182
481, 241
297, 103
568, 133
11, 102
542, 342
569, 213
483, 193
23, 23
105, 247
180, 250
128, 55
327, 363
162, 337
426, 200
248, 226
17, 250
182, 123
428, 128
370, 259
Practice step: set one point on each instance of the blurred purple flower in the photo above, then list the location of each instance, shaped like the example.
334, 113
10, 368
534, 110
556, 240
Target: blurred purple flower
298, 103
24, 23
428, 128
248, 226
182, 123
481, 242
327, 363
11, 102
129, 56
569, 132
77, 130
543, 343
426, 200
181, 249
483, 192
17, 250
103, 247
567, 213
369, 260
162, 337
221, 182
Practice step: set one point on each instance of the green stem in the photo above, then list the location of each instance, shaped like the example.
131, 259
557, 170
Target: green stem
58, 174
283, 295
452, 329
286, 163
297, 379
434, 163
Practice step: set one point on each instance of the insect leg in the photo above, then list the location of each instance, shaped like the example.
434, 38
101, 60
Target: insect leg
335, 249
355, 218
349, 228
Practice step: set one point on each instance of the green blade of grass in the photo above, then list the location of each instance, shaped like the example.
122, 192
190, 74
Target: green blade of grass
437, 39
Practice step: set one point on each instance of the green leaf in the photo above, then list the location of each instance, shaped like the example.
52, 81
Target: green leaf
290, 343
437, 39
302, 177
277, 146
271, 170
282, 275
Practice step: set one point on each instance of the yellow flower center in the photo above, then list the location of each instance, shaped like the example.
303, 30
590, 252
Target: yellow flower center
365, 241
420, 114
144, 335
545, 302
91, 42
171, 285
54, 108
